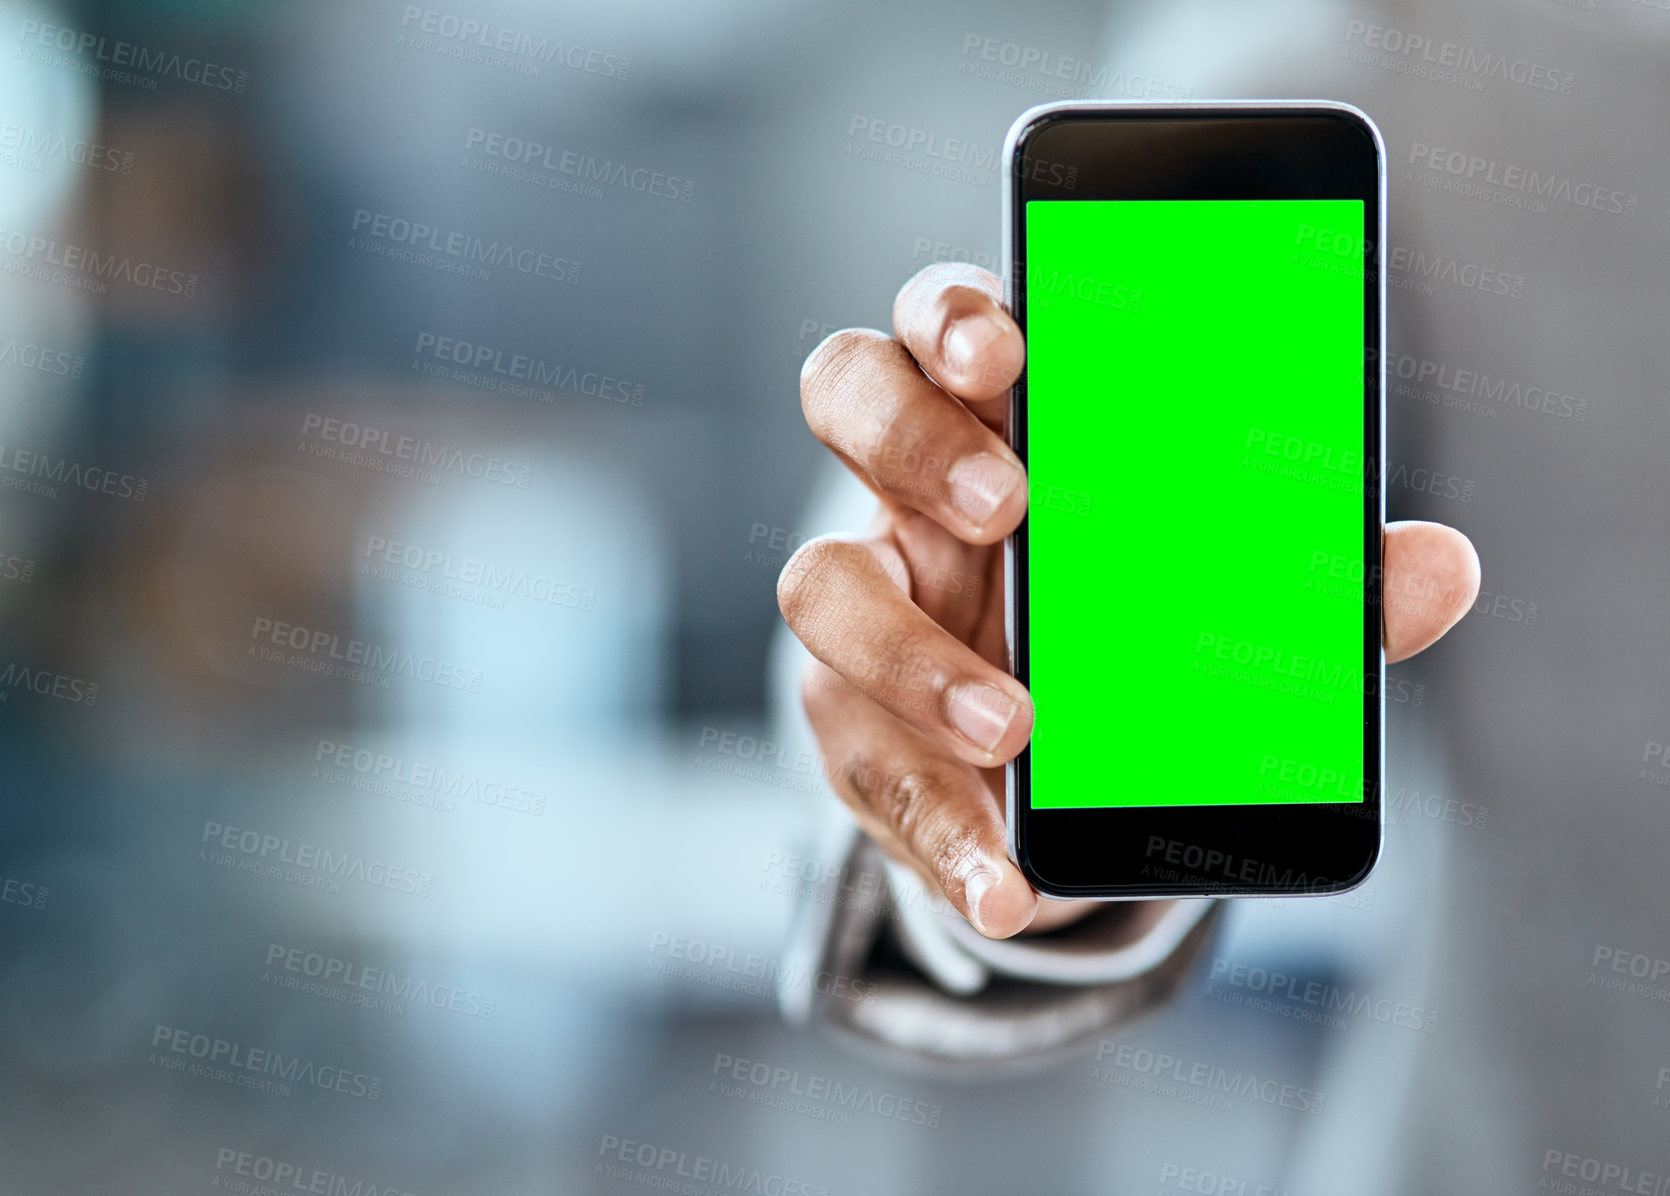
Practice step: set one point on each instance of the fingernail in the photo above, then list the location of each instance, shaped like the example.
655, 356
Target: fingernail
976, 886
967, 343
981, 484
981, 713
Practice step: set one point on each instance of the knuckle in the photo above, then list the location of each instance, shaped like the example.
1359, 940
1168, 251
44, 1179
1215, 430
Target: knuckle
900, 797
914, 803
903, 673
952, 846
884, 559
908, 450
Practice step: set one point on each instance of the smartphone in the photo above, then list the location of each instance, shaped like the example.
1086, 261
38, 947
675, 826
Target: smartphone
1194, 596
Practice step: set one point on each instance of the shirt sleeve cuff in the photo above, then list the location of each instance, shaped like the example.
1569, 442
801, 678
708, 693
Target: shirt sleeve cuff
1120, 941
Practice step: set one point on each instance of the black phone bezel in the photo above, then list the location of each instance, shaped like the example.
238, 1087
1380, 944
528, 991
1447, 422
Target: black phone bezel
1206, 151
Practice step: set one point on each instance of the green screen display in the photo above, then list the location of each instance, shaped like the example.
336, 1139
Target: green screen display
1194, 437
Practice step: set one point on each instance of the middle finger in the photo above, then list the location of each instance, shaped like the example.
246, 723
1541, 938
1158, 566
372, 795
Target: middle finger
913, 444
896, 654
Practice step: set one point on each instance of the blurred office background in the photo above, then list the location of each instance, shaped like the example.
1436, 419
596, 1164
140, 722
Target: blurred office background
399, 441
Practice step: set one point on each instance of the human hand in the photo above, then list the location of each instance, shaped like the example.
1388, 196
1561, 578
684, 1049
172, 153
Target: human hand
908, 695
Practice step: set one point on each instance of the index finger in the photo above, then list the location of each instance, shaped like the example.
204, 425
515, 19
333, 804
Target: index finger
951, 318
